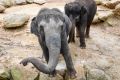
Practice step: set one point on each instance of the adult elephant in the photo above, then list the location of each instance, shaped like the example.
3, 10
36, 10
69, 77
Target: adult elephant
51, 27
81, 13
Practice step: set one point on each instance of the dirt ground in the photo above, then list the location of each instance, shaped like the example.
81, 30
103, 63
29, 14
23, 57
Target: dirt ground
104, 42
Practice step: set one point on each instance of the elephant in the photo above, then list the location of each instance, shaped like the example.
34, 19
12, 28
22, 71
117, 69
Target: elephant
52, 27
81, 14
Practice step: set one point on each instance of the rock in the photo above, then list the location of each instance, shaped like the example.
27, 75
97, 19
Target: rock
19, 2
4, 75
40, 1
2, 8
113, 22
98, 2
30, 1
47, 77
16, 74
96, 74
117, 9
14, 20
111, 4
104, 15
2, 2
7, 3
104, 63
96, 20
80, 73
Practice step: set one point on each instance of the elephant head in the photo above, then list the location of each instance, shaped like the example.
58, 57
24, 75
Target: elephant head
74, 11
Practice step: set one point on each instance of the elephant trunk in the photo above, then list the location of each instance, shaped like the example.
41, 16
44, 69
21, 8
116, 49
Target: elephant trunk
46, 68
53, 45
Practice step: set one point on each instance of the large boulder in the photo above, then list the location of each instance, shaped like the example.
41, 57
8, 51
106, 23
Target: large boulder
20, 2
114, 21
98, 2
96, 19
30, 1
15, 20
16, 74
2, 8
7, 3
4, 75
111, 4
102, 16
1, 2
117, 9
40, 1
97, 74
104, 63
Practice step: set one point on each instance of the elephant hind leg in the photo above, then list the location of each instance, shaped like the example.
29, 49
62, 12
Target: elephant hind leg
89, 22
72, 35
77, 30
87, 31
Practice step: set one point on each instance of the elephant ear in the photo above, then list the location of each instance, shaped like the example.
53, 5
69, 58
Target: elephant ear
34, 26
67, 9
83, 10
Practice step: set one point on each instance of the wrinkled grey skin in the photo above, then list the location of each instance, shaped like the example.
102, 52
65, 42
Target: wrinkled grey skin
51, 27
81, 13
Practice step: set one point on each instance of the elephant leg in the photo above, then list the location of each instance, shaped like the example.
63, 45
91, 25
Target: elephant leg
77, 30
72, 35
89, 22
83, 25
67, 56
87, 31
82, 37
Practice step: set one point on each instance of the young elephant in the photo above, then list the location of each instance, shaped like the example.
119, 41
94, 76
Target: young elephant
51, 27
81, 13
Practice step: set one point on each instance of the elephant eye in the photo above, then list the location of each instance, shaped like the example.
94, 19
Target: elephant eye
61, 27
41, 28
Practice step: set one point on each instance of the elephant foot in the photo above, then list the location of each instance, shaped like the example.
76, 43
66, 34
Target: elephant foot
71, 41
83, 46
87, 36
77, 35
53, 74
72, 74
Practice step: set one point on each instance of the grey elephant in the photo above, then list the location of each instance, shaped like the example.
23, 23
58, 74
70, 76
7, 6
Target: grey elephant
51, 27
81, 13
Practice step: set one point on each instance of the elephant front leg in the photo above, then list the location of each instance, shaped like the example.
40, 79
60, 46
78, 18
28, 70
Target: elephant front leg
82, 27
82, 37
67, 56
46, 55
